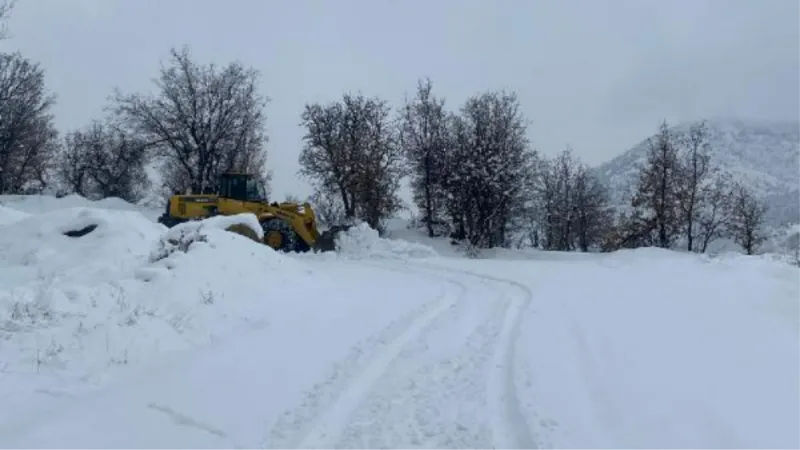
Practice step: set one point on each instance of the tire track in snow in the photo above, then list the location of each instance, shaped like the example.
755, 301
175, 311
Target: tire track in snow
321, 424
509, 427
434, 394
490, 355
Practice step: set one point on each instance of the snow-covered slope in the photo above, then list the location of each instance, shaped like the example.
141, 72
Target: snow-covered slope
135, 336
763, 155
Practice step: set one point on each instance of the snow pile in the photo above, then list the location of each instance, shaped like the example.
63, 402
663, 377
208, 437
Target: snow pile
84, 290
194, 228
39, 204
42, 203
361, 241
39, 243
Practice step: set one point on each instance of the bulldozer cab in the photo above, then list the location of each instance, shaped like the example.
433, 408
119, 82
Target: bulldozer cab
242, 187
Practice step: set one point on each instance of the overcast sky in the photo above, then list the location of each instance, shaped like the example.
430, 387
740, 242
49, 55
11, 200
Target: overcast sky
596, 75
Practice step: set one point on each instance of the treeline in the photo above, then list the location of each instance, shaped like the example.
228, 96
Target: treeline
476, 178
682, 197
474, 175
202, 120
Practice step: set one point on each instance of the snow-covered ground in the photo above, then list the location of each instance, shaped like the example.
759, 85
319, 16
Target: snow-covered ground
138, 336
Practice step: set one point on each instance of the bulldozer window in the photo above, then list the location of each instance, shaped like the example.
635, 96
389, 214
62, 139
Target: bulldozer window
236, 189
256, 191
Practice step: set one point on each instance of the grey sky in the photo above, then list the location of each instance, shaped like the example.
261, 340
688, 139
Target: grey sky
596, 75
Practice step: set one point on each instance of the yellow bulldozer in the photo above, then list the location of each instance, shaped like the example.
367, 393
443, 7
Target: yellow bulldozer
287, 226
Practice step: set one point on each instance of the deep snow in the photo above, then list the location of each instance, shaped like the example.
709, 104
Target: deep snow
139, 336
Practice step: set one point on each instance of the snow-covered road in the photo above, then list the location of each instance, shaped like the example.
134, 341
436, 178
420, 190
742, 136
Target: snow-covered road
443, 378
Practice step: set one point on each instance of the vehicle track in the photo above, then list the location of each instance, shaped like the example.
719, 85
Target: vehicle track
320, 416
418, 389
509, 426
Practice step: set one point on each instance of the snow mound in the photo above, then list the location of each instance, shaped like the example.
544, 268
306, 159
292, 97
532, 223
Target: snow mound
40, 204
361, 241
109, 240
220, 223
10, 215
37, 204
86, 290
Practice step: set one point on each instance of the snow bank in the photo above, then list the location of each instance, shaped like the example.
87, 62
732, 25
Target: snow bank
75, 308
39, 204
38, 241
36, 204
361, 241
220, 223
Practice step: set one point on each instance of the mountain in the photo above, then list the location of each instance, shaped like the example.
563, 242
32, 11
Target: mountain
765, 156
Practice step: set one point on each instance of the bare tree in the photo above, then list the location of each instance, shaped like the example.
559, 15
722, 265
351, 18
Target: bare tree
28, 138
716, 210
424, 137
593, 216
351, 151
657, 198
573, 204
555, 192
747, 219
204, 121
103, 160
72, 171
564, 174
692, 176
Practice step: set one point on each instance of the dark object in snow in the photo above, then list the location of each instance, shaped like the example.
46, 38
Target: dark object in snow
244, 230
82, 232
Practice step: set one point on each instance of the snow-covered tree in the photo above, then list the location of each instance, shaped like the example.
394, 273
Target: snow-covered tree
657, 198
351, 151
747, 219
573, 211
490, 168
425, 139
693, 174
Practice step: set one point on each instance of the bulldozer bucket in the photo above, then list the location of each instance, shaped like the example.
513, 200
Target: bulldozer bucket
327, 240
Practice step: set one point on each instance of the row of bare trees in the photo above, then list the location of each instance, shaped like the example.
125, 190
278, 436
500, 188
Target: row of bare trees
473, 173
682, 197
475, 177
469, 170
201, 121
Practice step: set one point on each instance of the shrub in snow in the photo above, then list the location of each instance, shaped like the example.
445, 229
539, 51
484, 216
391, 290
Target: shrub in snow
363, 241
180, 240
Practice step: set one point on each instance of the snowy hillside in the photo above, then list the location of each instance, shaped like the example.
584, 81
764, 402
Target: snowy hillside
765, 156
135, 336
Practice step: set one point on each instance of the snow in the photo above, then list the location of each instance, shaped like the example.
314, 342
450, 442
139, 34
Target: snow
361, 241
139, 336
9, 215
